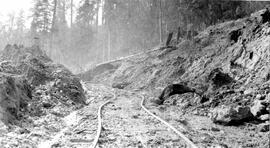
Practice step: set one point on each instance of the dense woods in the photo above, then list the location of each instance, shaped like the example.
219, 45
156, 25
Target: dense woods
92, 31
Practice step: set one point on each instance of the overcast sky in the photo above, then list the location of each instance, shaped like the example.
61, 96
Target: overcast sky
9, 6
14, 6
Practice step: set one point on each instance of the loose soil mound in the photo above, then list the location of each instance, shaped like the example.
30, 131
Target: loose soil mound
31, 84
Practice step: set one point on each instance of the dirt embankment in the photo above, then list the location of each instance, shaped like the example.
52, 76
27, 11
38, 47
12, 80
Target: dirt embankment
228, 63
31, 85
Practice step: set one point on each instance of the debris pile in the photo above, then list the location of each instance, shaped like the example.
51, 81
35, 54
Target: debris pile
32, 85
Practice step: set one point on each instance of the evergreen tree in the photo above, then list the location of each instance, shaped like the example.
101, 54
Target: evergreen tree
86, 13
42, 16
20, 28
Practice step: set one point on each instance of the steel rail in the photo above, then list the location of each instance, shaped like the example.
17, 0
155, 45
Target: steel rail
99, 124
189, 142
95, 142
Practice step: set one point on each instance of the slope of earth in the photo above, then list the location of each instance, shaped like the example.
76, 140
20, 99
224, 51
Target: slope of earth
35, 95
228, 64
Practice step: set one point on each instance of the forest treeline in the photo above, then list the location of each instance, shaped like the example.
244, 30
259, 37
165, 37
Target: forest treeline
78, 33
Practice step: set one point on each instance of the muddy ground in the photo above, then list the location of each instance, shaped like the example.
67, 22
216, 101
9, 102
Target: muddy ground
125, 124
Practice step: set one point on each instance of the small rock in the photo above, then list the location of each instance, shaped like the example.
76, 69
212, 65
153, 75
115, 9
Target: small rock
135, 116
38, 133
260, 97
156, 102
264, 127
204, 129
258, 108
22, 131
268, 97
56, 145
68, 133
230, 115
249, 91
264, 117
196, 112
222, 132
38, 92
47, 105
34, 138
215, 129
219, 146
3, 128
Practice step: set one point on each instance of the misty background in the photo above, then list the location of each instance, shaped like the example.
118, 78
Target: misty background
82, 33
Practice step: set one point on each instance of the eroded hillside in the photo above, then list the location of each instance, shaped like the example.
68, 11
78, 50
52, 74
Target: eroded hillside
227, 63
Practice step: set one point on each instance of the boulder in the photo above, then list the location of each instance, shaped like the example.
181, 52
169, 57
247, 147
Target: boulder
260, 97
258, 108
174, 89
249, 91
228, 115
264, 117
3, 127
264, 127
120, 85
218, 78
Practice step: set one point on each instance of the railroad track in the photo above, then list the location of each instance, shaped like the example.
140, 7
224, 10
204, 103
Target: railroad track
99, 128
74, 121
99, 124
189, 143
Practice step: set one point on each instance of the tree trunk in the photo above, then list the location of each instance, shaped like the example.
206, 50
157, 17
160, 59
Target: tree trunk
71, 13
178, 34
97, 1
160, 21
109, 44
169, 39
53, 26
64, 11
54, 16
103, 53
